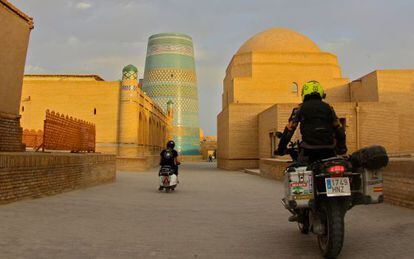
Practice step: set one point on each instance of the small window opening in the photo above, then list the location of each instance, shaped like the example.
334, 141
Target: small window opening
22, 108
172, 75
295, 87
94, 111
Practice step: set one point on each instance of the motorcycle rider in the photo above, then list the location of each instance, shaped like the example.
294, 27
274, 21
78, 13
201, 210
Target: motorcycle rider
322, 133
169, 156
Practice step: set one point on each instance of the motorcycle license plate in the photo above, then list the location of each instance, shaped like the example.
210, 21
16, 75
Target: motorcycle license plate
337, 186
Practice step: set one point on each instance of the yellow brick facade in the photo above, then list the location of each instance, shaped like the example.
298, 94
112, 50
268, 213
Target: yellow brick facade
208, 146
269, 68
263, 84
128, 127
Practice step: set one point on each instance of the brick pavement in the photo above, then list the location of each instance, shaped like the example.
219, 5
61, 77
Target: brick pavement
213, 214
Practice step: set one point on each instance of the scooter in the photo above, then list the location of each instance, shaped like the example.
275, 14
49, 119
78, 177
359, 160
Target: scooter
168, 180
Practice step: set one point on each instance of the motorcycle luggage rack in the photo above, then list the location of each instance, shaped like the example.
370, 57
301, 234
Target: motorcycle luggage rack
352, 191
327, 174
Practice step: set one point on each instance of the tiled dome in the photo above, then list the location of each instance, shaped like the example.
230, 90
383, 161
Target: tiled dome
130, 68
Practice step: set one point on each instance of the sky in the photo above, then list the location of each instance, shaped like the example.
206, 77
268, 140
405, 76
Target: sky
102, 36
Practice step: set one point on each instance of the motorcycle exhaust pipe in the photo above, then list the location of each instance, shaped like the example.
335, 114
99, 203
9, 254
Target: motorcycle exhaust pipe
283, 201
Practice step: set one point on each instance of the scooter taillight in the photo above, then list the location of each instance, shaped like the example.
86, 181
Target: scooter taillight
166, 180
336, 170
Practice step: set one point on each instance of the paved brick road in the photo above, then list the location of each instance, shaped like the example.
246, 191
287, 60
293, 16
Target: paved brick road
213, 214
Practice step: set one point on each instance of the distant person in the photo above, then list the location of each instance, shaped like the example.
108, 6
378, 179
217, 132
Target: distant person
210, 158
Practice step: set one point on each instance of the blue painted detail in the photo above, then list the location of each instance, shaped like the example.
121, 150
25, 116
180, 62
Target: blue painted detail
169, 61
329, 183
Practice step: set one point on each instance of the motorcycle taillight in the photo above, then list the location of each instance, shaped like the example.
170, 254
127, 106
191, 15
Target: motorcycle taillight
336, 170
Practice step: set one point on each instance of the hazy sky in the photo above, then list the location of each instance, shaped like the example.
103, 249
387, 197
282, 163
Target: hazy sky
102, 36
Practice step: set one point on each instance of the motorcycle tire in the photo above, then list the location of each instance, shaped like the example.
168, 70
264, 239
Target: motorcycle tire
167, 189
303, 223
331, 242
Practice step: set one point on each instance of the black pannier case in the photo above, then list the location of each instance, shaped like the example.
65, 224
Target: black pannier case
371, 158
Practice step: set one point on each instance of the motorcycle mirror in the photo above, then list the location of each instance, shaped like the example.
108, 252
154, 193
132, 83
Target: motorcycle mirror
279, 134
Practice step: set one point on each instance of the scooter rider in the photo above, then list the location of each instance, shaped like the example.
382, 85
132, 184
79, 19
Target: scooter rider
322, 133
169, 156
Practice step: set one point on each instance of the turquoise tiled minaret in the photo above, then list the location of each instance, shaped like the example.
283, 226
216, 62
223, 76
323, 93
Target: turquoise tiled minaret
170, 76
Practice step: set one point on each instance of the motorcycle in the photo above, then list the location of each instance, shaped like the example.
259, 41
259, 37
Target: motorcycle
319, 194
168, 178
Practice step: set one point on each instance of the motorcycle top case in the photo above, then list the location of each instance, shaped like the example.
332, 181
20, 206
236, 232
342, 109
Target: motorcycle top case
299, 186
371, 158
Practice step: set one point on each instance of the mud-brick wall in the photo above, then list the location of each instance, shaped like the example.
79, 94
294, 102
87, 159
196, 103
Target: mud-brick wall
34, 175
10, 134
399, 182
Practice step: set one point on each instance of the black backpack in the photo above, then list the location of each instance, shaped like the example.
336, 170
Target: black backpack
168, 154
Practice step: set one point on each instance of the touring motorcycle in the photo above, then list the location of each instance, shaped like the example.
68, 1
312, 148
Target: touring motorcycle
319, 194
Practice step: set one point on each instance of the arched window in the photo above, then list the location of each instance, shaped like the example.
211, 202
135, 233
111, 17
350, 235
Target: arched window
295, 87
94, 111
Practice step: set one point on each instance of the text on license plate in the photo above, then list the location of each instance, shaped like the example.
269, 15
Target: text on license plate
338, 186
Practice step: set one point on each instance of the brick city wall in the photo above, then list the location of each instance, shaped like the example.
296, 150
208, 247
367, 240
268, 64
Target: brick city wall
399, 182
34, 175
10, 135
137, 164
398, 178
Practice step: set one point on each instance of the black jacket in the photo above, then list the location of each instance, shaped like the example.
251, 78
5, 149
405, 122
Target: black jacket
319, 127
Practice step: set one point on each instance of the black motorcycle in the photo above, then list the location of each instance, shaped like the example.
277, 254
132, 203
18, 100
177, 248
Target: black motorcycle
319, 194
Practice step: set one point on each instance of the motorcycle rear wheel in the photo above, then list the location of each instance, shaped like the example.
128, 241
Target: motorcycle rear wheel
167, 189
332, 241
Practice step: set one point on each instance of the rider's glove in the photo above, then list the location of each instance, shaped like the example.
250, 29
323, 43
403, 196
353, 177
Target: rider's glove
341, 149
279, 152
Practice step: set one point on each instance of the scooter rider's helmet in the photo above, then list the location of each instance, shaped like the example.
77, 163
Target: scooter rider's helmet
312, 88
171, 144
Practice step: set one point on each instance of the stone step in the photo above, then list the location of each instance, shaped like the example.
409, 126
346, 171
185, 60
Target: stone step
252, 171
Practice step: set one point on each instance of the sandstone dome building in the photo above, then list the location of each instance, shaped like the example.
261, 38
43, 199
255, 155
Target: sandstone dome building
271, 66
263, 83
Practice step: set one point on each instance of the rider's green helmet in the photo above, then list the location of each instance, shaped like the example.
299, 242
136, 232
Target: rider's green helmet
312, 87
